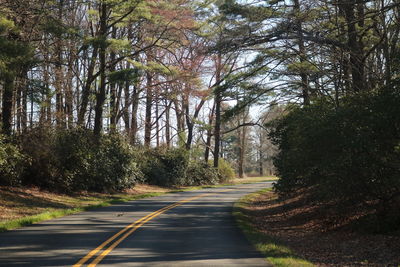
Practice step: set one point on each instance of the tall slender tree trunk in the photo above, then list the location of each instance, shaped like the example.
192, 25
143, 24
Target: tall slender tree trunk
46, 79
134, 109
134, 118
101, 94
189, 123
209, 135
157, 120
18, 106
69, 88
167, 124
149, 102
87, 88
260, 163
218, 101
125, 113
24, 113
217, 128
8, 92
302, 54
179, 121
113, 91
354, 43
59, 77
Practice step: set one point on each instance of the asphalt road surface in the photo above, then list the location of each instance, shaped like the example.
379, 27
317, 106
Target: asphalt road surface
193, 228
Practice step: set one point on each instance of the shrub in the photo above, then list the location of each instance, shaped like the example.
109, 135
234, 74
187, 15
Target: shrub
70, 160
12, 163
346, 153
114, 165
37, 145
201, 173
165, 167
225, 171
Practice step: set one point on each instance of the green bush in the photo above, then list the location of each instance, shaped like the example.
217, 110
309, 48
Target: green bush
37, 144
74, 154
12, 163
70, 160
201, 173
165, 167
225, 171
114, 165
347, 153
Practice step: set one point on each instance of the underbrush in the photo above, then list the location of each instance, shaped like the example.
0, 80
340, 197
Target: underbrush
173, 167
76, 160
347, 154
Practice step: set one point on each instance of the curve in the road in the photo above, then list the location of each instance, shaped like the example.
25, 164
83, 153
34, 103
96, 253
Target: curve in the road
193, 228
132, 228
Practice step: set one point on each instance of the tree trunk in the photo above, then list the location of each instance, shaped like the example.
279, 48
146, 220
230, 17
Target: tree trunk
149, 100
18, 105
48, 94
113, 91
59, 77
157, 120
86, 89
261, 154
179, 121
167, 124
7, 104
69, 88
24, 113
354, 43
261, 167
218, 101
189, 123
101, 94
134, 120
302, 54
209, 135
125, 113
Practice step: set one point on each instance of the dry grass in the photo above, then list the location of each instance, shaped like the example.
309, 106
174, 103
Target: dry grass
26, 205
246, 180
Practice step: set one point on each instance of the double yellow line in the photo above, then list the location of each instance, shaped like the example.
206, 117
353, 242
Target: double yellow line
128, 230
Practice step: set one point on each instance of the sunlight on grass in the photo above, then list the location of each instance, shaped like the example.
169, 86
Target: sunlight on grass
83, 204
272, 249
254, 179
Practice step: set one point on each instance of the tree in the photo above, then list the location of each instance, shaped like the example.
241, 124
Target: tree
13, 55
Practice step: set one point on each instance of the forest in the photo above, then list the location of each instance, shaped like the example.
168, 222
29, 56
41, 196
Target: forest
100, 95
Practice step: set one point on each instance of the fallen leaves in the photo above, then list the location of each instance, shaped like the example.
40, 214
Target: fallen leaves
314, 233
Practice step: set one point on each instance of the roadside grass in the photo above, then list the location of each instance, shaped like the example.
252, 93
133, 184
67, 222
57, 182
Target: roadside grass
250, 180
22, 207
81, 205
235, 181
273, 250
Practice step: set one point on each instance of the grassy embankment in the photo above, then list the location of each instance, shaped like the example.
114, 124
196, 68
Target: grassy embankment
24, 206
273, 250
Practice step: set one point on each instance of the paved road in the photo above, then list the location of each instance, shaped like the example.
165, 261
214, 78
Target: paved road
181, 229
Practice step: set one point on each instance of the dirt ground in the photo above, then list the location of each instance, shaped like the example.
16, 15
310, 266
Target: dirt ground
315, 235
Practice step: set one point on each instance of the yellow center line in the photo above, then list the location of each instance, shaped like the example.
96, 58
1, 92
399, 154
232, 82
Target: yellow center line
132, 228
105, 243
